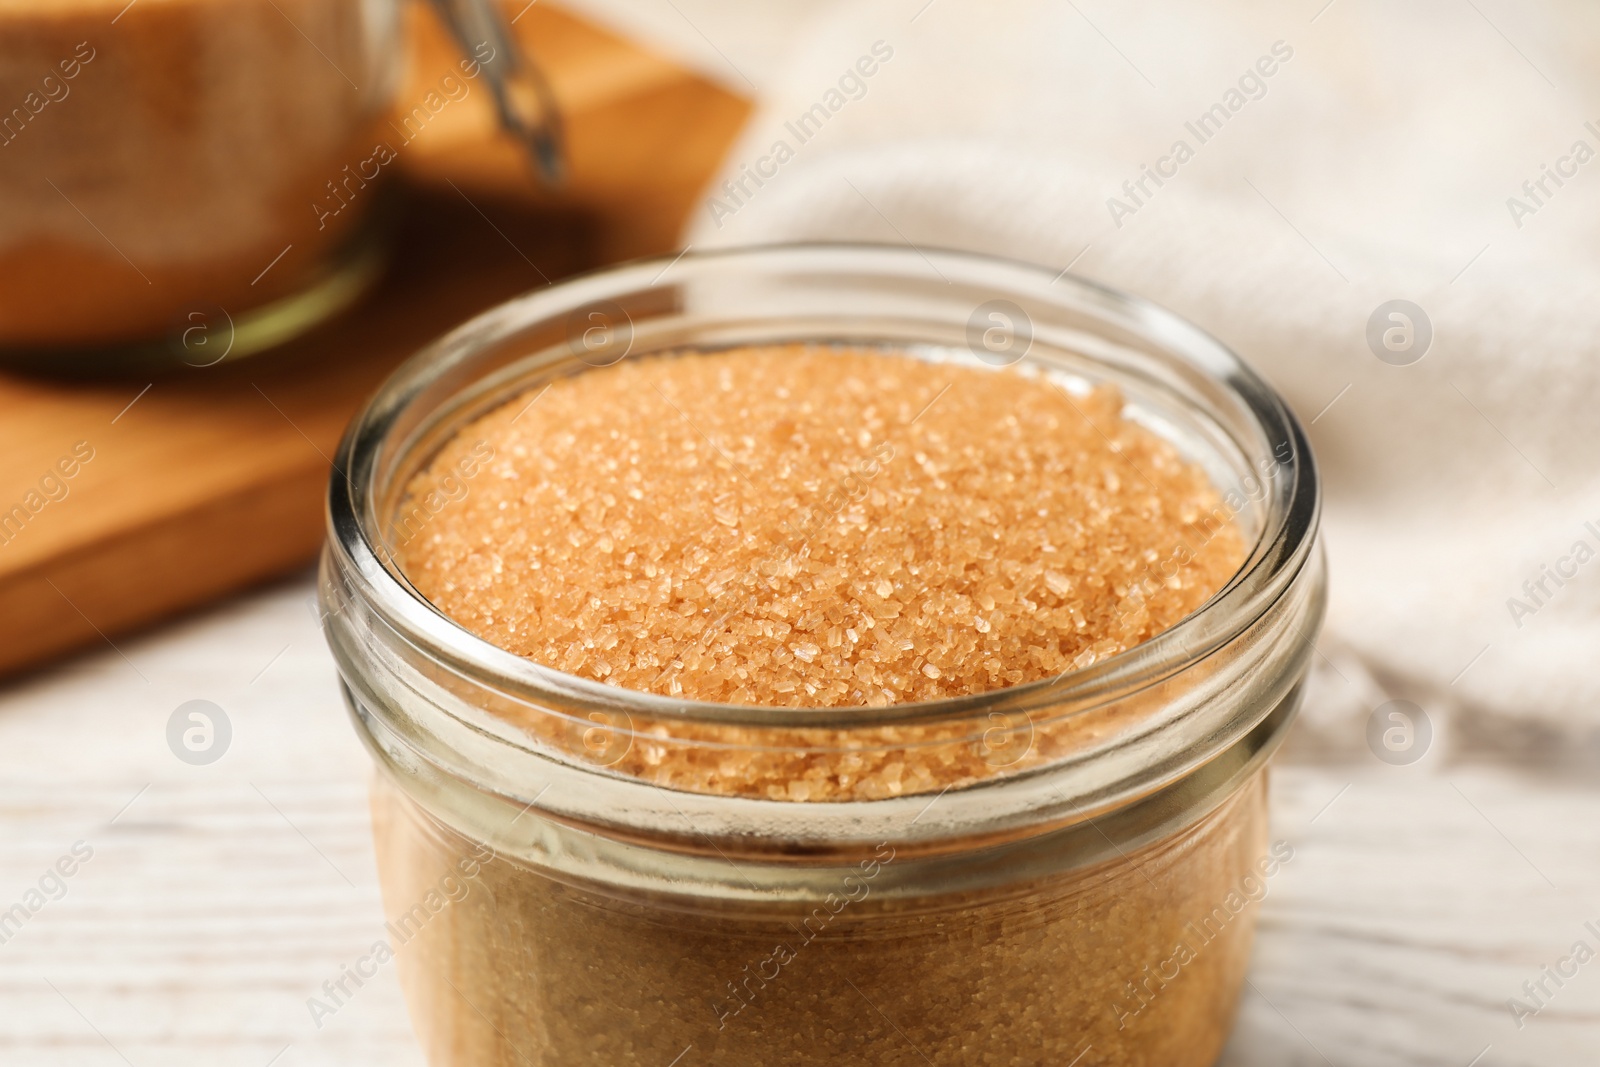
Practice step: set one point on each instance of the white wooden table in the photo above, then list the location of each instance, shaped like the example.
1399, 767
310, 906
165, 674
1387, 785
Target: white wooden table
218, 898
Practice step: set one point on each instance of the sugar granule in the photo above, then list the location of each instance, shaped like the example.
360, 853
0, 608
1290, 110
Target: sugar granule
816, 526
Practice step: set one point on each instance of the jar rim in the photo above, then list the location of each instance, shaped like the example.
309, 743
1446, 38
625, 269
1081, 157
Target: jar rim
1281, 548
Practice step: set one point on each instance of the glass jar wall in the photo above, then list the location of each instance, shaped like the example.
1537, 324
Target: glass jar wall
1083, 890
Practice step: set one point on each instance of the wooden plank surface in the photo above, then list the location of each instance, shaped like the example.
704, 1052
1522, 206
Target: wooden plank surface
219, 898
208, 479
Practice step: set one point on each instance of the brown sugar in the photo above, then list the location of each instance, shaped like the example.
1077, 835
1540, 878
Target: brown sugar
813, 526
1134, 961
817, 526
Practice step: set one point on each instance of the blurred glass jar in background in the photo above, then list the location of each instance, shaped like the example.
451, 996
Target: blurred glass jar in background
188, 179
169, 161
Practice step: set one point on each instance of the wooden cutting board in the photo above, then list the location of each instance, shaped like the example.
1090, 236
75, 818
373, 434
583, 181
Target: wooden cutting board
192, 485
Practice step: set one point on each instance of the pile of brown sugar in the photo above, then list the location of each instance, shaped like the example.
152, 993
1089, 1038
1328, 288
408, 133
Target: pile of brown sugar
818, 526
814, 526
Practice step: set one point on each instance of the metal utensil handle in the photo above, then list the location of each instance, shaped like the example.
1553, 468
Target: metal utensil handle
522, 93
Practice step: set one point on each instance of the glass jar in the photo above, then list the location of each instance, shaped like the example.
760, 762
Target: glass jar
565, 880
190, 180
